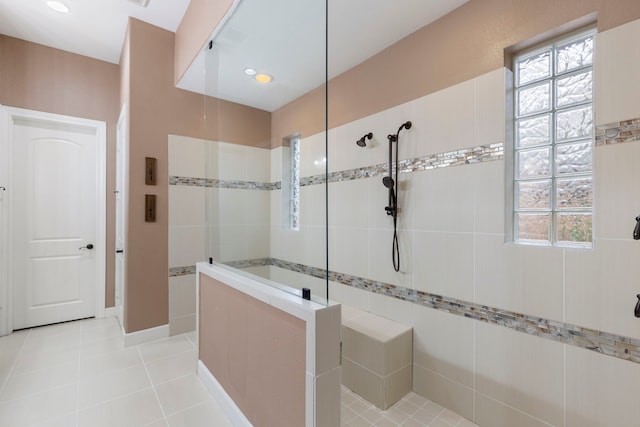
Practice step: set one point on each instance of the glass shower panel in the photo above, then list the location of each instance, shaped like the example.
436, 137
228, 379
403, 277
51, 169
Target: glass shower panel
266, 134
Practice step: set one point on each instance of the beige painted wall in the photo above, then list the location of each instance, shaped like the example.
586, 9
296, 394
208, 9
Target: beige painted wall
470, 41
41, 78
236, 123
155, 109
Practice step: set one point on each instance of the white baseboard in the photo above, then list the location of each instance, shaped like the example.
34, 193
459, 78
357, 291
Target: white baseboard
146, 335
227, 404
110, 312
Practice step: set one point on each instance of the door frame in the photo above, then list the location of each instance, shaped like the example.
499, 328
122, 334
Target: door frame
8, 115
122, 170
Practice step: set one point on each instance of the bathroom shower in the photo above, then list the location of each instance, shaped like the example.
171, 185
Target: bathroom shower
362, 141
390, 183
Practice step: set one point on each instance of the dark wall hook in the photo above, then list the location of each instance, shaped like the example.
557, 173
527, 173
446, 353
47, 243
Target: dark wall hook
636, 231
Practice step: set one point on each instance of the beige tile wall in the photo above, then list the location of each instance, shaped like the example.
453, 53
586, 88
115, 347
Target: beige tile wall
228, 224
617, 82
521, 371
601, 391
188, 228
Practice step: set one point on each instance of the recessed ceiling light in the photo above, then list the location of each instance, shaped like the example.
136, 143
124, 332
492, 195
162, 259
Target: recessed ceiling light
263, 78
250, 71
58, 6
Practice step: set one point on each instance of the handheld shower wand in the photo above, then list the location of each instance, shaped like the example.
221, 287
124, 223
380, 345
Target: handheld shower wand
391, 208
390, 183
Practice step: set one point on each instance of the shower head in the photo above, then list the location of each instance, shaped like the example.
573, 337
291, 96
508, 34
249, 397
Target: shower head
388, 182
361, 142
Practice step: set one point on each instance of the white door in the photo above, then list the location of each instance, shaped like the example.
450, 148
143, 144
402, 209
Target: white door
55, 197
121, 167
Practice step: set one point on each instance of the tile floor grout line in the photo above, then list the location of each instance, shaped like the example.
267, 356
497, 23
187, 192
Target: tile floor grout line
14, 364
153, 423
113, 399
153, 387
173, 379
26, 396
77, 418
165, 339
45, 368
167, 357
204, 402
112, 371
193, 343
422, 423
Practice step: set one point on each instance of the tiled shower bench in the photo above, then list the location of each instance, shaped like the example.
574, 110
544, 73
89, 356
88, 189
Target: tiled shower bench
377, 356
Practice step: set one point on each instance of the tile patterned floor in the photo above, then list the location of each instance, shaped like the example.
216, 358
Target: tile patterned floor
79, 374
411, 411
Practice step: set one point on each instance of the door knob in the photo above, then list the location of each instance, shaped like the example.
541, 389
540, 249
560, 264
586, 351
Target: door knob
119, 251
89, 246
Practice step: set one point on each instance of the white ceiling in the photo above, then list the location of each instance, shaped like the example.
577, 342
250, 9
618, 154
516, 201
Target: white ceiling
94, 28
285, 38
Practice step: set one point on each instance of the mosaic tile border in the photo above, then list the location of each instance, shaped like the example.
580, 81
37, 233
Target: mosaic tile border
182, 271
249, 263
221, 183
601, 342
465, 156
609, 344
619, 132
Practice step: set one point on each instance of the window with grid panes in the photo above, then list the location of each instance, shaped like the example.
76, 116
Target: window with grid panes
553, 163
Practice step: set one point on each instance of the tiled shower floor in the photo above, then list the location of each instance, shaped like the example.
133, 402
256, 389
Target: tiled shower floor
412, 411
79, 374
